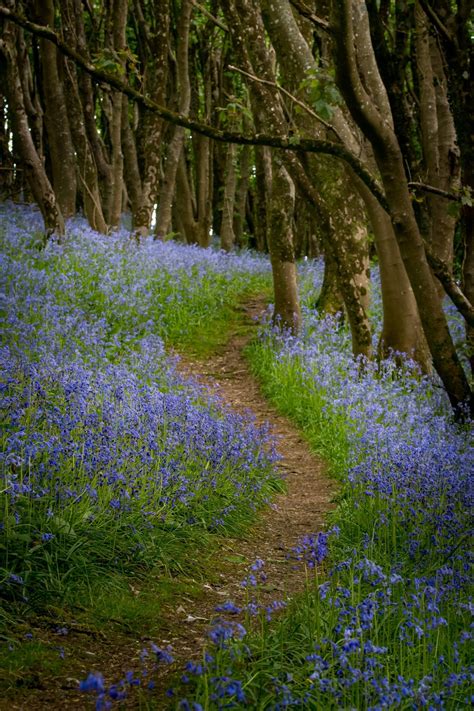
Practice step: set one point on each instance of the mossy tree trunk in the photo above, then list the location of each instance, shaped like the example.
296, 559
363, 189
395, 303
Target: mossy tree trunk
35, 173
368, 103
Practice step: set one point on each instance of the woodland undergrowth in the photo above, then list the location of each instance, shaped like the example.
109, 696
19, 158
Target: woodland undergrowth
115, 465
386, 620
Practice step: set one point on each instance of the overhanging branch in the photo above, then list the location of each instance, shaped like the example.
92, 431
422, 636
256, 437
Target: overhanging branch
445, 277
286, 143
433, 190
305, 11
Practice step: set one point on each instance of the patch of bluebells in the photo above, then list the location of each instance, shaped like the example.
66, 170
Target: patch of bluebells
106, 696
103, 440
391, 625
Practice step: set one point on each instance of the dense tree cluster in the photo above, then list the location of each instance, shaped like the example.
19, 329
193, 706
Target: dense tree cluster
112, 107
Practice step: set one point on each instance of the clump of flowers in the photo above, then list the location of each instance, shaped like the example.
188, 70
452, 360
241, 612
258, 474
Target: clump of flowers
387, 624
109, 457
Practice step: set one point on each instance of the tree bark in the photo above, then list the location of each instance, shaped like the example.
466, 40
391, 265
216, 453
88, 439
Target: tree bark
131, 171
118, 20
440, 151
287, 313
248, 36
377, 126
241, 195
341, 223
261, 202
163, 219
228, 201
330, 299
153, 39
61, 149
402, 331
73, 23
185, 204
35, 174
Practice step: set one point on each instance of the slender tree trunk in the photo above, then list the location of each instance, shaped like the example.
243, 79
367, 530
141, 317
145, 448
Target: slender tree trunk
341, 222
204, 153
130, 160
440, 150
163, 219
117, 22
35, 174
280, 241
228, 201
330, 299
33, 108
402, 331
61, 150
263, 181
468, 278
154, 42
241, 195
73, 13
87, 171
88, 179
7, 165
185, 203
248, 37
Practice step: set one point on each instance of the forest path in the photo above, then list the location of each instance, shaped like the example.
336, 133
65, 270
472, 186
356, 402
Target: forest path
301, 509
185, 618
297, 512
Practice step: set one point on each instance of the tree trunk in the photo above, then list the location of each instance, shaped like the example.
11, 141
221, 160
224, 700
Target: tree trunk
440, 151
228, 201
468, 280
248, 37
35, 174
263, 181
402, 331
154, 43
369, 112
185, 203
117, 22
330, 299
130, 160
204, 180
61, 149
163, 219
7, 165
287, 312
33, 108
88, 180
241, 195
341, 224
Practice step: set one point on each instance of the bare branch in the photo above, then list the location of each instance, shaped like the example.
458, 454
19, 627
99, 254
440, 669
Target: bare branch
435, 191
436, 20
292, 97
445, 277
304, 11
209, 15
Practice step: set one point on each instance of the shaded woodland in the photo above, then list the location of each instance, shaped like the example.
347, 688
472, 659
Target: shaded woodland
339, 129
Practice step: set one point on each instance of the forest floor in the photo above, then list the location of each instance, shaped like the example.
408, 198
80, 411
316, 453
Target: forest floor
189, 607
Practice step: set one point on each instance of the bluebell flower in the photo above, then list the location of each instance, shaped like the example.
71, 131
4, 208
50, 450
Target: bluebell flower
94, 682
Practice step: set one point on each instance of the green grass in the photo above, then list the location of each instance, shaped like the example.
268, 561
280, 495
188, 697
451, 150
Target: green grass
23, 663
94, 568
284, 384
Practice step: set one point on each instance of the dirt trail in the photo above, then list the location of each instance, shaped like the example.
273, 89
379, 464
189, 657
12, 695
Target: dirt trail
301, 509
294, 514
298, 512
